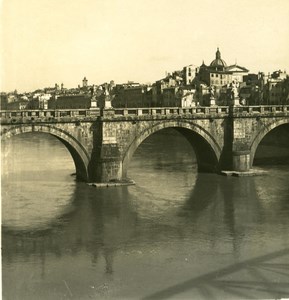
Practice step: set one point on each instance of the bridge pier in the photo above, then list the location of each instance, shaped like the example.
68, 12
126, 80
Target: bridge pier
106, 159
108, 170
241, 161
241, 139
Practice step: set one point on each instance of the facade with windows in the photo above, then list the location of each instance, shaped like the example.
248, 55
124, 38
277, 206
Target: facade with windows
218, 75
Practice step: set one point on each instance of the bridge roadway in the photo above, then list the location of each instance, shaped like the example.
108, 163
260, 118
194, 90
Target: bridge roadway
102, 142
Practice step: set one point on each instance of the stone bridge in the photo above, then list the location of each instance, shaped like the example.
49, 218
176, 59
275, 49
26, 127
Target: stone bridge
102, 142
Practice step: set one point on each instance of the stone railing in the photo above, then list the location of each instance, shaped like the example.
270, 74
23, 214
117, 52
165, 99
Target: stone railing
262, 109
198, 111
74, 115
169, 111
49, 115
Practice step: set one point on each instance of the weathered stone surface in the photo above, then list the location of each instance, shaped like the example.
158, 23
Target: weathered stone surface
102, 146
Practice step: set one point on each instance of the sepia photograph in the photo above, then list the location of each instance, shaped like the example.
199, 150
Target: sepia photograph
144, 149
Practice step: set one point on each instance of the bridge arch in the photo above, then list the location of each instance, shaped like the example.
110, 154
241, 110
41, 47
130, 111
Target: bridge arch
259, 137
77, 151
206, 148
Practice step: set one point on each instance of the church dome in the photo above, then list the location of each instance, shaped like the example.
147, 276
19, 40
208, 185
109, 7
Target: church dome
218, 62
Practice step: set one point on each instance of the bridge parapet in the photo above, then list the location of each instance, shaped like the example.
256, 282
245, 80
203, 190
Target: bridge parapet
167, 111
48, 116
261, 109
89, 115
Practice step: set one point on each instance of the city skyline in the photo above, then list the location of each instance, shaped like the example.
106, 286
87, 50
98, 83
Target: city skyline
51, 42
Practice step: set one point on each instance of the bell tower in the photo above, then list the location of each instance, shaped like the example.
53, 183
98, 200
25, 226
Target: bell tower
84, 82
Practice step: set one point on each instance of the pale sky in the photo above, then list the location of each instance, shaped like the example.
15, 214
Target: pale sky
60, 41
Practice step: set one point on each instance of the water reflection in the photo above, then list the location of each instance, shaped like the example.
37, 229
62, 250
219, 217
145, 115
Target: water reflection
203, 194
175, 234
107, 219
105, 225
26, 214
103, 219
94, 225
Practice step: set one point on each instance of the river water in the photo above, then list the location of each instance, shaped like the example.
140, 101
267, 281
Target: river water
175, 234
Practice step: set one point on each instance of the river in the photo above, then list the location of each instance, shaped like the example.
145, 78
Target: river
176, 234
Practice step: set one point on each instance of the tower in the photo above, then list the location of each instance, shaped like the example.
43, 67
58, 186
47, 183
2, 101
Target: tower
84, 82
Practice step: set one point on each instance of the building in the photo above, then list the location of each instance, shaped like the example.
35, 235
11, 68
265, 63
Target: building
252, 90
169, 97
17, 105
43, 100
275, 89
3, 101
285, 91
70, 102
40, 101
165, 89
189, 73
238, 72
130, 94
187, 96
218, 75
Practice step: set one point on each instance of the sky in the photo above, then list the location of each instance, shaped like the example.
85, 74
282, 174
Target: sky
60, 41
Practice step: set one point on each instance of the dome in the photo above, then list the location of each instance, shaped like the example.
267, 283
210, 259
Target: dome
218, 62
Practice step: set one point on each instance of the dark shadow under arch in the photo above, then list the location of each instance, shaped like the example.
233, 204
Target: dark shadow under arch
81, 170
206, 157
276, 134
79, 155
205, 146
